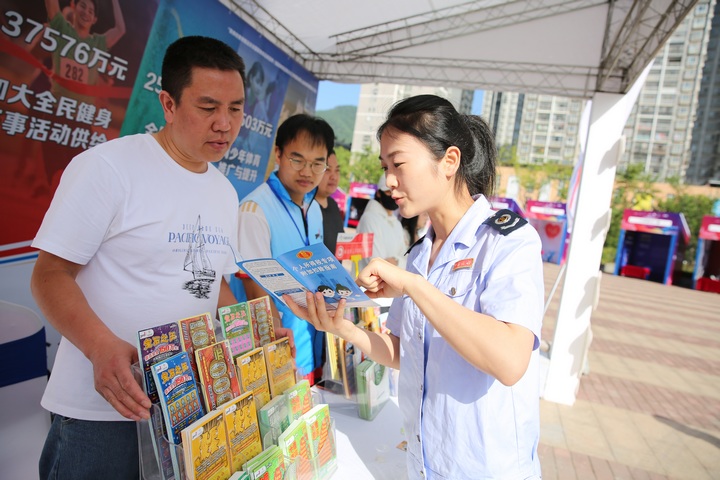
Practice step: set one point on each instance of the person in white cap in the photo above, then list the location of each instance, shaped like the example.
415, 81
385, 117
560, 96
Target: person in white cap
388, 234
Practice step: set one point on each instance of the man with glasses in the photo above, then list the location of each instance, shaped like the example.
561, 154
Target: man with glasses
281, 215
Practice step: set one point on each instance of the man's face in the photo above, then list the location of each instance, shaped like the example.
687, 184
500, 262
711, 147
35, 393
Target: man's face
207, 119
300, 150
329, 182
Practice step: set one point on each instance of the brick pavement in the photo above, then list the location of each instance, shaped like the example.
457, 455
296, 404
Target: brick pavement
649, 408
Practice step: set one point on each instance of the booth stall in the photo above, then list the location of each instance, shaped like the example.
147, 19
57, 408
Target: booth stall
359, 194
500, 203
341, 199
706, 276
550, 221
651, 245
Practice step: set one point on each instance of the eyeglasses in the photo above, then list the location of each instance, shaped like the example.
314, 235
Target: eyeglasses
316, 167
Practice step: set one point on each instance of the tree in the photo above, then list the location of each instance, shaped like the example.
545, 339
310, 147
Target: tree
631, 183
343, 158
365, 167
507, 155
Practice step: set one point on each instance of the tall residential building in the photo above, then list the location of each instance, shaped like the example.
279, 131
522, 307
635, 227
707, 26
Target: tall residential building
544, 128
705, 147
377, 98
659, 130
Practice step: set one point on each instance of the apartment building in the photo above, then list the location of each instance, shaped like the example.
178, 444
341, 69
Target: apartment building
376, 99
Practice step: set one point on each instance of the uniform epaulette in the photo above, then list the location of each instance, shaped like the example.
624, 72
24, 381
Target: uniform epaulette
505, 221
419, 240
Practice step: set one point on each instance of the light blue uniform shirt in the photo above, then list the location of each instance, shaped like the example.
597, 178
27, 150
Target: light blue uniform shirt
462, 423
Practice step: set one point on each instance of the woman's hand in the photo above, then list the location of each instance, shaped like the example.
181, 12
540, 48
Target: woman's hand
317, 314
381, 279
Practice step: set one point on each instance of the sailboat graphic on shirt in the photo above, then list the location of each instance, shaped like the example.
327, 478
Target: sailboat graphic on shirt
198, 262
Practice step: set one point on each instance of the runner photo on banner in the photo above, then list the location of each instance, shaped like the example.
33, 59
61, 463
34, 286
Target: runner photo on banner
66, 74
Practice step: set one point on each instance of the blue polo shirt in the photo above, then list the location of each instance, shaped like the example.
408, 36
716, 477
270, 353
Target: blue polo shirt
291, 227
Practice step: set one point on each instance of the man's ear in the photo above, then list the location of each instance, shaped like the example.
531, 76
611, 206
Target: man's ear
168, 104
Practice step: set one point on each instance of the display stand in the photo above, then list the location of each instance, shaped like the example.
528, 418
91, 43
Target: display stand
367, 449
24, 424
150, 467
706, 276
651, 245
550, 221
500, 203
358, 197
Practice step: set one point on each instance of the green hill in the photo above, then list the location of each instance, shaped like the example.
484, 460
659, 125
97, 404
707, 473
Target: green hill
342, 120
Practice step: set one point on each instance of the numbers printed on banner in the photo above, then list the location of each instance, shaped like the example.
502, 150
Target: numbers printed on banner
82, 53
154, 83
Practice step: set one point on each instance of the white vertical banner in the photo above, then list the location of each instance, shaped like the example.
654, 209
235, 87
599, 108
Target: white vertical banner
607, 117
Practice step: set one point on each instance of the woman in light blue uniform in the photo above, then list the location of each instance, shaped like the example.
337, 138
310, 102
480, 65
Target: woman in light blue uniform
466, 319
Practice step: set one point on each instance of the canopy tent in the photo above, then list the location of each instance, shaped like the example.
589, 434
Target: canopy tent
559, 47
599, 50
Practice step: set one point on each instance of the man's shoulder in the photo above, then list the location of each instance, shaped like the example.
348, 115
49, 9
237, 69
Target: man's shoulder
257, 195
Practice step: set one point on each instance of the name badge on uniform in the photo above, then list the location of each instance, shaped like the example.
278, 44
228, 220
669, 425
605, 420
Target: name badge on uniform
464, 263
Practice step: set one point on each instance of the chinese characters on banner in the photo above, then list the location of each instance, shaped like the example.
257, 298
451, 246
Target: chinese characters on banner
70, 79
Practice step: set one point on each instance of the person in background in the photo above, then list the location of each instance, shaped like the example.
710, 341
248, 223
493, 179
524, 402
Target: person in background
379, 219
333, 221
281, 215
113, 257
73, 28
467, 313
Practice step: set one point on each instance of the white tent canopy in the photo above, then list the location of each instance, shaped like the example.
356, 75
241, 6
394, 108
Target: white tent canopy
594, 49
559, 47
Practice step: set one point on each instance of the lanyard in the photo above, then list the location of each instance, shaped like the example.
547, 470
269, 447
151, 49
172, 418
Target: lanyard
305, 238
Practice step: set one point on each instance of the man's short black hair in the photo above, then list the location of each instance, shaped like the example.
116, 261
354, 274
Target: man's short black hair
319, 131
187, 53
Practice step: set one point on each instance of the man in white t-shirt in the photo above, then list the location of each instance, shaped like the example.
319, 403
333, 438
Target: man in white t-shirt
117, 250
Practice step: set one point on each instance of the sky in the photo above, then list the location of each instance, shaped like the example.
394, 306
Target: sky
332, 94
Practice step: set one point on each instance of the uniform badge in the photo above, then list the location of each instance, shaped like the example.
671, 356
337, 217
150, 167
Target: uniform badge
505, 221
464, 263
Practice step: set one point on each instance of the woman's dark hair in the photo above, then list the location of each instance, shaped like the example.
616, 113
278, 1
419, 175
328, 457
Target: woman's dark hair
193, 51
434, 121
257, 69
410, 226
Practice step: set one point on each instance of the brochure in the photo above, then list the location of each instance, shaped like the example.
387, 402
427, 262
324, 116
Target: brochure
311, 268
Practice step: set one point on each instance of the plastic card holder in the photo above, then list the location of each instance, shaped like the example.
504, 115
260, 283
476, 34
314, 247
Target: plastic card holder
159, 458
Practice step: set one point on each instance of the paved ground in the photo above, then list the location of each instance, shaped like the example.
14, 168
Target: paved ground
649, 408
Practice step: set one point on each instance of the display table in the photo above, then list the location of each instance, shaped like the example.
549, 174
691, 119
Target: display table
366, 449
23, 422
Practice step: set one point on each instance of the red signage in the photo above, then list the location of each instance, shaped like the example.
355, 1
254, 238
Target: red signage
349, 245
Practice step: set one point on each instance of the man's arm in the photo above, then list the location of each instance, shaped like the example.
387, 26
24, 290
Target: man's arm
62, 301
226, 296
113, 35
253, 290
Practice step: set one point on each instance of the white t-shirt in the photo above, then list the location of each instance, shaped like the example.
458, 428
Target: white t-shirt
388, 233
155, 240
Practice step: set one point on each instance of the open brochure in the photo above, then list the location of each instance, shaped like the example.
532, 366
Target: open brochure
311, 268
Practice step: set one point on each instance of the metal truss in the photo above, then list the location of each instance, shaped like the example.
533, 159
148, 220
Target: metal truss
636, 30
563, 80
